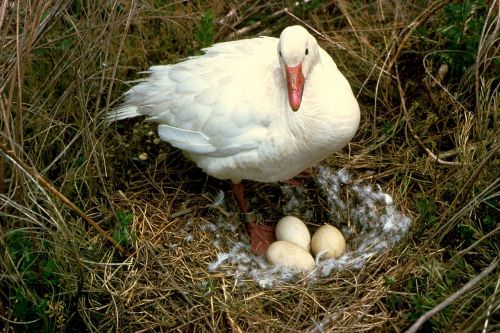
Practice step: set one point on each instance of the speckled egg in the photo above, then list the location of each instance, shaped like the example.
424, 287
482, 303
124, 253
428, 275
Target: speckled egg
281, 253
293, 230
329, 240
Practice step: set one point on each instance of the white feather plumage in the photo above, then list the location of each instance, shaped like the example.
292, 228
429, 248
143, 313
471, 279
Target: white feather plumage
228, 109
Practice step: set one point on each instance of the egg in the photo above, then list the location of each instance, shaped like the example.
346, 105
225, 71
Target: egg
329, 240
281, 253
293, 230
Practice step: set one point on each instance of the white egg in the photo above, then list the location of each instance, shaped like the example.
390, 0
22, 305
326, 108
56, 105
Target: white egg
329, 240
281, 253
293, 230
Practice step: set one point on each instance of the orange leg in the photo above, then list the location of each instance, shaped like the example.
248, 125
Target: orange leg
261, 236
298, 180
238, 192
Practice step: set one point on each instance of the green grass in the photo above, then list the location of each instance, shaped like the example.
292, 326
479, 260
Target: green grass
462, 27
33, 301
124, 235
205, 34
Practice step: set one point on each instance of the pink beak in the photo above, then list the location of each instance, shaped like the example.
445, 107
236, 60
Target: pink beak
295, 84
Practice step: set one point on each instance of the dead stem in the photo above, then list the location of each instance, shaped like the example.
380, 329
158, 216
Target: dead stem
453, 297
46, 184
410, 127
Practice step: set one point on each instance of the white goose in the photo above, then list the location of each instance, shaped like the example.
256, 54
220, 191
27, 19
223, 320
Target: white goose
262, 109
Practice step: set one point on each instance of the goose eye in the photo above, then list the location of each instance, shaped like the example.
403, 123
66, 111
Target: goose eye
307, 51
279, 52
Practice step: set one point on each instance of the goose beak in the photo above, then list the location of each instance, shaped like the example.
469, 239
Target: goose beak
295, 84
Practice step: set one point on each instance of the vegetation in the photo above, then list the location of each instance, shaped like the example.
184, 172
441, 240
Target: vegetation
426, 74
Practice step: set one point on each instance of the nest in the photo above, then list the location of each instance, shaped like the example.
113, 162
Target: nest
192, 269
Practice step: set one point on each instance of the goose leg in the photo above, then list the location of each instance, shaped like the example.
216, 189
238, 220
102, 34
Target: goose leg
261, 236
299, 179
238, 192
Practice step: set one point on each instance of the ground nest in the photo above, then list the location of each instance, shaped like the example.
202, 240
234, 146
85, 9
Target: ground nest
192, 267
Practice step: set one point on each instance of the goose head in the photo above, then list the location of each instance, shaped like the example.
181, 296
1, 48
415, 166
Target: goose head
298, 53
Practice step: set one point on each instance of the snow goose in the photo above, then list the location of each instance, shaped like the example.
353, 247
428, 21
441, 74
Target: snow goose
261, 109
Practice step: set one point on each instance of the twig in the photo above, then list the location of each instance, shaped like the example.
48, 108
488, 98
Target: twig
415, 136
453, 297
457, 151
488, 312
45, 183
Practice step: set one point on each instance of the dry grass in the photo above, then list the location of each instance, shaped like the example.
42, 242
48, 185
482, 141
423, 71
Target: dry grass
428, 137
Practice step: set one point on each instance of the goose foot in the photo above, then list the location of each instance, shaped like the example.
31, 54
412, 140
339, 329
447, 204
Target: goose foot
261, 236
